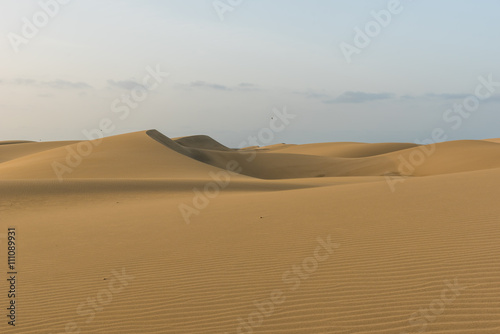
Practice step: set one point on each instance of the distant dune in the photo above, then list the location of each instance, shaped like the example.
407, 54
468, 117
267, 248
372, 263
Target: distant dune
494, 140
204, 142
9, 142
318, 238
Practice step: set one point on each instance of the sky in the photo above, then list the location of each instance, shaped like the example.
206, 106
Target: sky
365, 71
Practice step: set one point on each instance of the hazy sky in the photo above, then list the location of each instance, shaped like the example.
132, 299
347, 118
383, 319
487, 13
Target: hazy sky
226, 76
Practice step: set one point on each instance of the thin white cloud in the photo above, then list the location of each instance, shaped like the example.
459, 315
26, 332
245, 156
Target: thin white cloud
360, 97
63, 84
56, 84
125, 84
242, 87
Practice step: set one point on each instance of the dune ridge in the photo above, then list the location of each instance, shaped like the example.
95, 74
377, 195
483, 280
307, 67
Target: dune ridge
284, 162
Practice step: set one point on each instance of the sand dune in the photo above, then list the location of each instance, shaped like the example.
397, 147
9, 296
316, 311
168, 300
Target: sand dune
13, 150
9, 142
451, 157
134, 155
201, 142
295, 239
493, 140
344, 150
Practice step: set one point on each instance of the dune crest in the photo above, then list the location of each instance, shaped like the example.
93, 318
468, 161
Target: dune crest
121, 153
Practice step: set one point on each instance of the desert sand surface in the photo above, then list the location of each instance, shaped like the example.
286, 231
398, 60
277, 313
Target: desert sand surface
140, 233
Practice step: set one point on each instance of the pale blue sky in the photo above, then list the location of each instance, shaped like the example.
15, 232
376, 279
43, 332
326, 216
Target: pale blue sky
227, 76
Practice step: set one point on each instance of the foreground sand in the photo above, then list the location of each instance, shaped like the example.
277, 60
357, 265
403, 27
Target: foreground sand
320, 238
